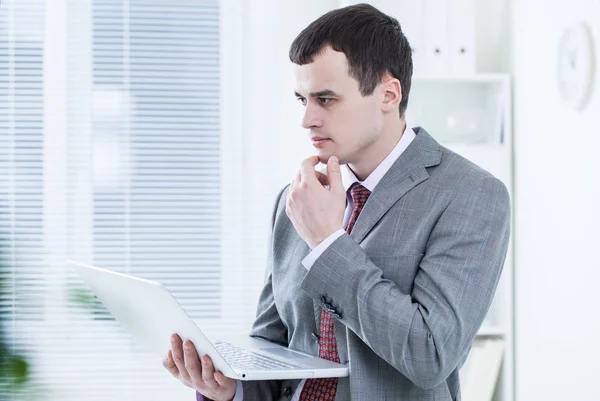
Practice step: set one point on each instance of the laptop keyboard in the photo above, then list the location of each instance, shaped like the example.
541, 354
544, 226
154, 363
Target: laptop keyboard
245, 359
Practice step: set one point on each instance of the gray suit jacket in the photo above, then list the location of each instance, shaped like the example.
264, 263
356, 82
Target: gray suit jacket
409, 287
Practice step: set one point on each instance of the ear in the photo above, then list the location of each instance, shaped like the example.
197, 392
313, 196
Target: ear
392, 94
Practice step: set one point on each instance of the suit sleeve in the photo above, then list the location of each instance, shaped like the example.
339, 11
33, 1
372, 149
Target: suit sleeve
424, 334
268, 325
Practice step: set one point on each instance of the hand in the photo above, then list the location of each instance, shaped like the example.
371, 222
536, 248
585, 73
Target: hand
316, 212
183, 363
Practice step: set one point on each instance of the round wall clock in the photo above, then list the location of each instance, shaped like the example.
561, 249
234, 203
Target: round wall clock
575, 65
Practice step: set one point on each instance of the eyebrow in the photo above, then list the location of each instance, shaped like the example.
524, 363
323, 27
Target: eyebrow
323, 93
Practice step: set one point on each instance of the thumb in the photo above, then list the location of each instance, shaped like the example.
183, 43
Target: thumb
334, 174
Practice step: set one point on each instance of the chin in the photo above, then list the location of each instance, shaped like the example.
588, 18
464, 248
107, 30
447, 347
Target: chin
324, 157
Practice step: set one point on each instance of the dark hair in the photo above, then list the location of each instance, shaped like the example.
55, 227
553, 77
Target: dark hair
372, 41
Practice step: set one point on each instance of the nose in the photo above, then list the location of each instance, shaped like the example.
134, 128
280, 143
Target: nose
311, 118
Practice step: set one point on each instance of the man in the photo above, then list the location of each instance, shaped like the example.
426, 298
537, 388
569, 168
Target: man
389, 262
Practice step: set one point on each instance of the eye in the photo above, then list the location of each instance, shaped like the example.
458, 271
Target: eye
302, 100
325, 100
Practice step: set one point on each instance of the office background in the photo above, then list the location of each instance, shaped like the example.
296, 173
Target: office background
151, 137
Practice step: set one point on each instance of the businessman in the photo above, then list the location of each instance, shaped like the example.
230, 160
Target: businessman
388, 260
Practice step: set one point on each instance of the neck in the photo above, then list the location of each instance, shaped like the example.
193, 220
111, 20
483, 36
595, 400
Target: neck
379, 150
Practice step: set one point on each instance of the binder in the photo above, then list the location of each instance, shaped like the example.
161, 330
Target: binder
461, 34
410, 15
437, 54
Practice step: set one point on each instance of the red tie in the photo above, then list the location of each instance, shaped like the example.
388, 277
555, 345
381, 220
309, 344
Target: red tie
324, 389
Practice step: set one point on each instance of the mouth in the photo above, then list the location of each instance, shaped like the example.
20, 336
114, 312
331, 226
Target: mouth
318, 142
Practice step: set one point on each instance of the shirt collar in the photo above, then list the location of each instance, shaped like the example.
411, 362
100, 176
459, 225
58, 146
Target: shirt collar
348, 177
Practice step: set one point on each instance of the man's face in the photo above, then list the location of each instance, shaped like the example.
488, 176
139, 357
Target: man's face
336, 110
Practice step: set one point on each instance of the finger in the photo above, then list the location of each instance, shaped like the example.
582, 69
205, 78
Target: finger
208, 372
295, 183
307, 169
177, 349
170, 365
297, 179
334, 173
323, 179
192, 363
220, 378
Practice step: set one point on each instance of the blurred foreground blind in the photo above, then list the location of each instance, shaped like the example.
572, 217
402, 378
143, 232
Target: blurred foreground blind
142, 184
21, 180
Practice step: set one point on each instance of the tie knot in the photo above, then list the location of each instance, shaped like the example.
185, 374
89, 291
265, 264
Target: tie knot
359, 194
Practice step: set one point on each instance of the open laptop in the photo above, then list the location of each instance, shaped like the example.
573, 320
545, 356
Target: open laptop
150, 313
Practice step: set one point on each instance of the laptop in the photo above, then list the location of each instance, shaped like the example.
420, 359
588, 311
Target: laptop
150, 314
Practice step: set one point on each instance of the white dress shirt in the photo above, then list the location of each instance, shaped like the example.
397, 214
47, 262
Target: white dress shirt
348, 178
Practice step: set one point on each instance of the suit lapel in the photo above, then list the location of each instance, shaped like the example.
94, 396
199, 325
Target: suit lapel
408, 171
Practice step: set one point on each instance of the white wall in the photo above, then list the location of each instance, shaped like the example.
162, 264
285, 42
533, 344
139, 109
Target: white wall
557, 212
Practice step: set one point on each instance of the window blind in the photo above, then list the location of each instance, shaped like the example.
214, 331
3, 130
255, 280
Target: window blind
21, 179
141, 191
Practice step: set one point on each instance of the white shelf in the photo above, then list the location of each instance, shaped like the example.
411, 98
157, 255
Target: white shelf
462, 111
489, 331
